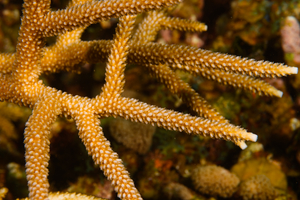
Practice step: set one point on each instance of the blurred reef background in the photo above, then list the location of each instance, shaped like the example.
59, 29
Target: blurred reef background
166, 164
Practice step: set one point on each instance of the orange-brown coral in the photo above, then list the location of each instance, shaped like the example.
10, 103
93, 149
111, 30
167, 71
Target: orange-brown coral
252, 167
133, 135
179, 191
258, 187
215, 181
69, 196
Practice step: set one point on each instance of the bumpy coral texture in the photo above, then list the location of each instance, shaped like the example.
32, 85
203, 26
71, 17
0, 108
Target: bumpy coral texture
135, 136
21, 70
215, 181
69, 196
258, 187
178, 191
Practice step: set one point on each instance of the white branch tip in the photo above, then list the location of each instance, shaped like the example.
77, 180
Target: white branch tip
278, 93
243, 145
252, 137
293, 70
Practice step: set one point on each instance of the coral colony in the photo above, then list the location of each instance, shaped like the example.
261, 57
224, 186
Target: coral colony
21, 70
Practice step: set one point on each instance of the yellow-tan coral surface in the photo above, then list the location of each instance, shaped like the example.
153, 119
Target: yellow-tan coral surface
21, 84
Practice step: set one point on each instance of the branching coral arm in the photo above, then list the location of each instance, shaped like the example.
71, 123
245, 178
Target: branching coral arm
187, 58
182, 25
146, 33
238, 80
157, 20
69, 196
58, 58
114, 75
171, 120
26, 87
147, 30
99, 148
69, 50
89, 125
65, 56
74, 54
184, 91
191, 59
37, 145
68, 38
92, 12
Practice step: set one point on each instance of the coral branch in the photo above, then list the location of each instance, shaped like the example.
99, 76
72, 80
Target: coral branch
171, 120
184, 91
191, 59
116, 60
20, 84
37, 145
96, 144
92, 12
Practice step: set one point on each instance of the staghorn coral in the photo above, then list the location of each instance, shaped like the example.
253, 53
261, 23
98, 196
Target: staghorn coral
20, 82
215, 181
69, 196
